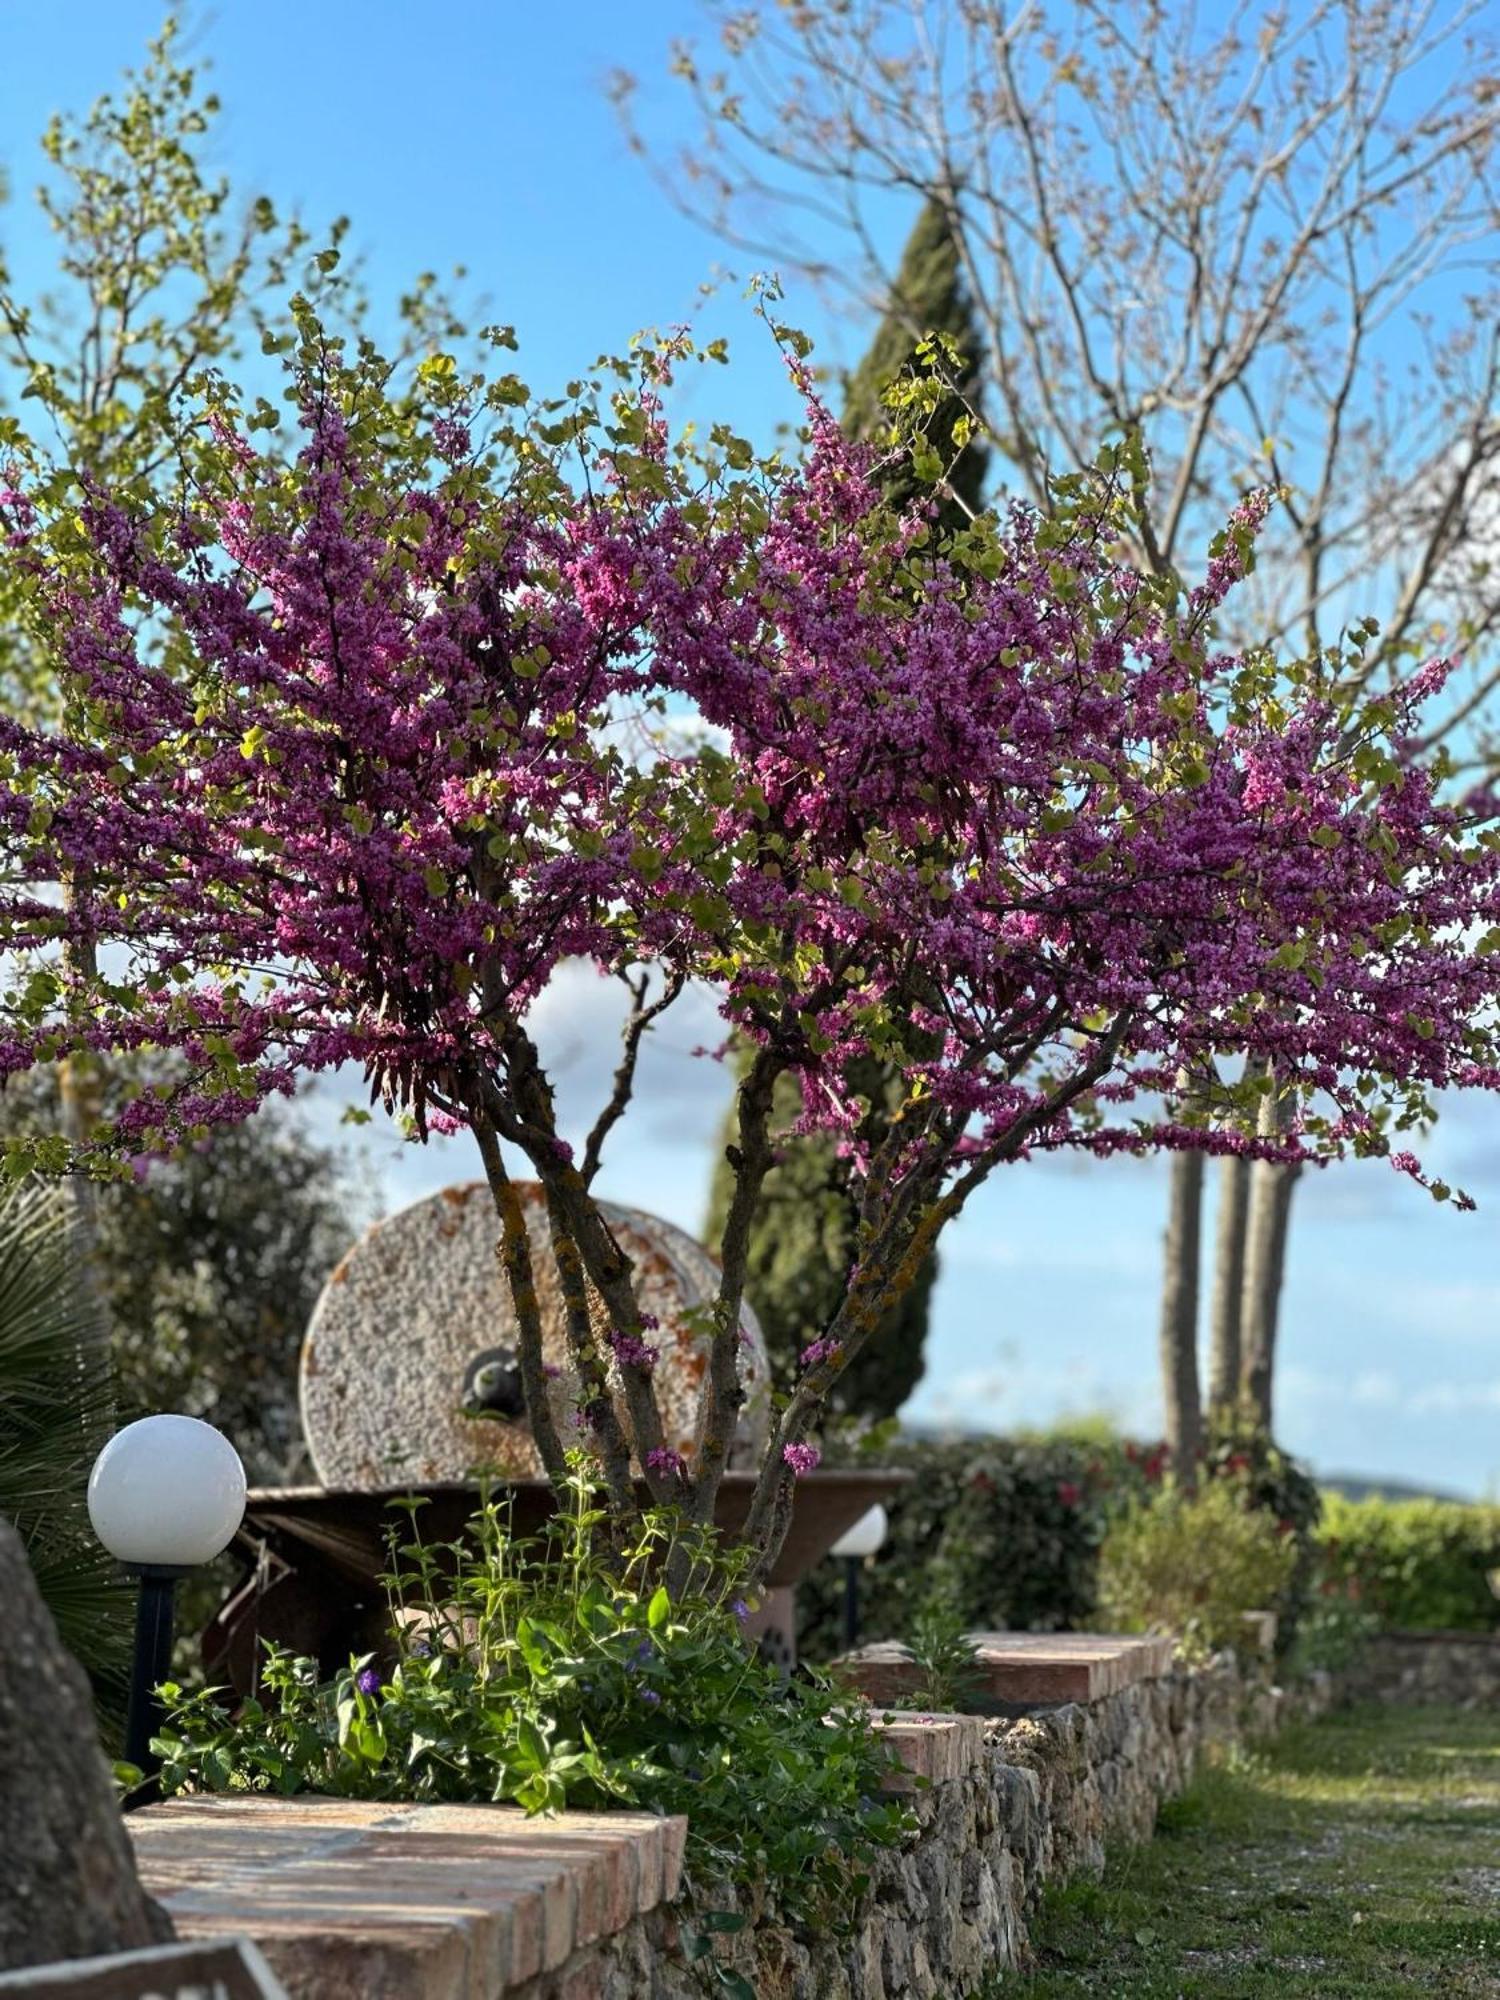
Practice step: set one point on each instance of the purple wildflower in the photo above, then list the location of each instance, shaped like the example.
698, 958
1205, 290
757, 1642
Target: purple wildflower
801, 1457
650, 1695
740, 1609
369, 1680
669, 1462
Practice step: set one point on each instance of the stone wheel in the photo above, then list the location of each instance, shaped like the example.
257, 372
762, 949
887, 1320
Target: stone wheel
417, 1319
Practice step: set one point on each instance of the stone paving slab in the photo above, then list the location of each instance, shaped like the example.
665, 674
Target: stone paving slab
1023, 1669
380, 1902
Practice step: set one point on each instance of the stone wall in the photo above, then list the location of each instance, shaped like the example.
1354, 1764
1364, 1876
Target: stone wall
1461, 1669
370, 1902
1013, 1805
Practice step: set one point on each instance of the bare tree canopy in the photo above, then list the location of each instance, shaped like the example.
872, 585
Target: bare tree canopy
1267, 239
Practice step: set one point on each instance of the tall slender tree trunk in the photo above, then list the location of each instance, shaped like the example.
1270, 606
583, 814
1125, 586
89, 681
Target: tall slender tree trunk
1227, 1306
1179, 1314
78, 1085
1266, 1232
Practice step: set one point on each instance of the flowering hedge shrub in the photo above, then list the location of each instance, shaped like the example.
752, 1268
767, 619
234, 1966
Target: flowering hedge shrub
1007, 1530
560, 1673
1415, 1564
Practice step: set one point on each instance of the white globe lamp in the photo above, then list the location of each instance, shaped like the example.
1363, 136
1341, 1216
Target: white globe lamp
165, 1495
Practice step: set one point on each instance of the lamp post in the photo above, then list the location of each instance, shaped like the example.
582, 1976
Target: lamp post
165, 1495
863, 1539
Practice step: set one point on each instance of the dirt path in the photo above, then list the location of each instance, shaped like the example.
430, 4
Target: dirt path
1358, 1857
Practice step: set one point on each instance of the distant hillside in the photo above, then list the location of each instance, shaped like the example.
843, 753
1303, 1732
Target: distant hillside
1354, 1488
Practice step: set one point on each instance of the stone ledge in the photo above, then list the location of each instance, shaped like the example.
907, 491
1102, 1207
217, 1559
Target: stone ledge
934, 1749
1017, 1670
366, 1900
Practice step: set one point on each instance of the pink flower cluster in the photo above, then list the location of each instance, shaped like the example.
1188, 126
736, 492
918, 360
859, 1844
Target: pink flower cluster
631, 1351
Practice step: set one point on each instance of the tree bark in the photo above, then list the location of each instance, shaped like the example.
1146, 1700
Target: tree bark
1266, 1231
1181, 1394
79, 1088
1227, 1310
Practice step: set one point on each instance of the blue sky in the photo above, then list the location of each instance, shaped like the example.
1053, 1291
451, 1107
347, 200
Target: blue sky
480, 134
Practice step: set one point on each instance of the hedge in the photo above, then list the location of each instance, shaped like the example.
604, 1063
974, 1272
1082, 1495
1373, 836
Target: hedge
1417, 1564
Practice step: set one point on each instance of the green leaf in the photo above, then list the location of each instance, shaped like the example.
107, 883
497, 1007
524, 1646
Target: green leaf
660, 1608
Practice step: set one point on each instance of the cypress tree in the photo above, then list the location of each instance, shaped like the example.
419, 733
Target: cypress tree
802, 1241
928, 297
801, 1247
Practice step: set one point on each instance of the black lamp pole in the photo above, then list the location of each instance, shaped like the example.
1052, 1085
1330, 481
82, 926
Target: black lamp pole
851, 1602
150, 1666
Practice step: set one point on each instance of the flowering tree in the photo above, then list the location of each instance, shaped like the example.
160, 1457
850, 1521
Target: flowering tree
363, 741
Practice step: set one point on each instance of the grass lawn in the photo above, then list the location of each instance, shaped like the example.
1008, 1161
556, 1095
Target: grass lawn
1359, 1856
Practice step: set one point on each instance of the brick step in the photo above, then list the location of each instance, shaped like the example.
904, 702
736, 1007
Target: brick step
389, 1902
1018, 1670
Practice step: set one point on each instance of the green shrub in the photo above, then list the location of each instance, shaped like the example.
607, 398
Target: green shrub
1416, 1563
560, 1672
1193, 1564
1267, 1478
1337, 1626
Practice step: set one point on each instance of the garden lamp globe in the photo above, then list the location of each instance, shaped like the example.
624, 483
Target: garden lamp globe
165, 1495
865, 1538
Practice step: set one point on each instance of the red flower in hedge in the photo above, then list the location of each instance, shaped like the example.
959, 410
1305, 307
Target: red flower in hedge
1068, 1493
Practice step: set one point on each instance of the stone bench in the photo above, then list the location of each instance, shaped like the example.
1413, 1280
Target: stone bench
356, 1901
1019, 1671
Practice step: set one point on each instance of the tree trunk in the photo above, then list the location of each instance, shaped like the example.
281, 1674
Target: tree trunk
1227, 1308
1265, 1262
1179, 1314
79, 1087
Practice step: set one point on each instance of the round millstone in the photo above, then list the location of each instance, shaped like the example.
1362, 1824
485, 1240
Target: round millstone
393, 1338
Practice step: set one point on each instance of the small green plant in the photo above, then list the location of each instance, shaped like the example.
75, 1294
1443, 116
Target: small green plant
561, 1672
1192, 1564
944, 1655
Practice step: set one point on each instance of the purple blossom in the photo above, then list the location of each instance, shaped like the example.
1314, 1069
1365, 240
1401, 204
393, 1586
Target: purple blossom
369, 1680
820, 1350
740, 1609
666, 1461
631, 1351
801, 1457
